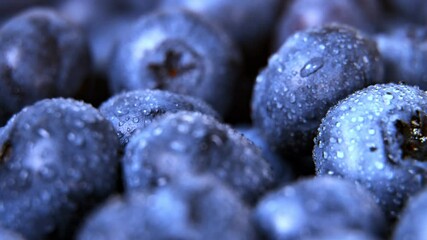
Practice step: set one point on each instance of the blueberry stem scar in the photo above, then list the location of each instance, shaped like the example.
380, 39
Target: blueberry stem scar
171, 67
414, 136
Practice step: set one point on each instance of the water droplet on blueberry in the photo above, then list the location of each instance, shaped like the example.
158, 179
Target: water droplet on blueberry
312, 66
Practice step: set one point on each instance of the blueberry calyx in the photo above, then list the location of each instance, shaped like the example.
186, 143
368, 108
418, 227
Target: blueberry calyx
414, 134
174, 60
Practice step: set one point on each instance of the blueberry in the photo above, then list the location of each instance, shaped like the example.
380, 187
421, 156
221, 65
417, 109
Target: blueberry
314, 207
405, 56
364, 15
42, 55
311, 72
132, 111
179, 52
58, 158
193, 208
191, 142
412, 222
377, 137
9, 235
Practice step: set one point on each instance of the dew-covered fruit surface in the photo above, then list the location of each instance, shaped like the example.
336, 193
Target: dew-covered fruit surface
58, 158
377, 137
190, 142
132, 111
313, 207
195, 207
310, 73
180, 52
42, 55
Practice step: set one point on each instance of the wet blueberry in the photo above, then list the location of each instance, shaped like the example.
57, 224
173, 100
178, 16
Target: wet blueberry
195, 143
316, 207
413, 220
58, 158
311, 72
405, 55
377, 137
179, 52
192, 208
134, 110
42, 55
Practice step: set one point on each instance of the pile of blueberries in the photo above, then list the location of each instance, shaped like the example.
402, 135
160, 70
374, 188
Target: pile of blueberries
213, 119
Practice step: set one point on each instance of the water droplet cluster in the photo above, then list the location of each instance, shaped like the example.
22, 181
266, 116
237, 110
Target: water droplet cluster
132, 111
